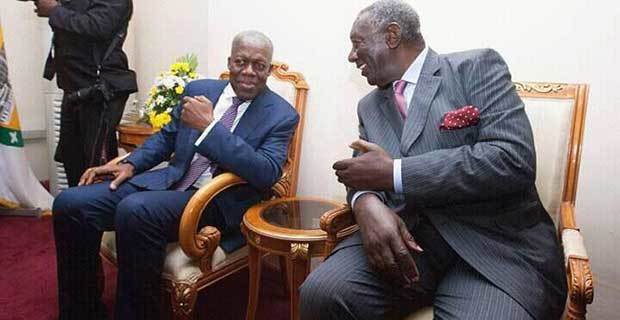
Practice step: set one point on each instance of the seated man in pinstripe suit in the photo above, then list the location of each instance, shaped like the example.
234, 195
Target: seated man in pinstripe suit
441, 186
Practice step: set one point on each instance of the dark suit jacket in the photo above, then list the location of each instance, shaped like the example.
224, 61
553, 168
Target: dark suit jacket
475, 184
255, 151
83, 31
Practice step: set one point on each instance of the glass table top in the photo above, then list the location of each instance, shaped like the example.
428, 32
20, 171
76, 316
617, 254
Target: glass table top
297, 214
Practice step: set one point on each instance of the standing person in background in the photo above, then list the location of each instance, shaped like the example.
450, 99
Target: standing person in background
87, 57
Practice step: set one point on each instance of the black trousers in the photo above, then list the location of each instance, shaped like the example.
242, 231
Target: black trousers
87, 134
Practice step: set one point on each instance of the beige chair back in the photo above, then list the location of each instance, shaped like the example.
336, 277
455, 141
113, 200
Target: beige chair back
557, 114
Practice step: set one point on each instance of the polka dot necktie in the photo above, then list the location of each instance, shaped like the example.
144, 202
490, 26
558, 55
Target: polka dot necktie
201, 163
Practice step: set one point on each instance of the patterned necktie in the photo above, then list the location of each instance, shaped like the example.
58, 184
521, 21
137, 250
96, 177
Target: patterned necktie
201, 164
399, 97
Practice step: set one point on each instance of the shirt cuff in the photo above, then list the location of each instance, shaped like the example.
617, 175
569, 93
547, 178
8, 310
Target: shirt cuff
204, 134
360, 193
398, 176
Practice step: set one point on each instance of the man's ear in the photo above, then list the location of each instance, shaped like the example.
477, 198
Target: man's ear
228, 61
393, 35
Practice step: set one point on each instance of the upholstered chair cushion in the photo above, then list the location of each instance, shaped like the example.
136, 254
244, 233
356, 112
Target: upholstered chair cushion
422, 314
178, 266
551, 125
284, 89
573, 244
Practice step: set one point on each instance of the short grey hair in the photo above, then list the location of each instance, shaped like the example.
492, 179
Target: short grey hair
253, 37
384, 12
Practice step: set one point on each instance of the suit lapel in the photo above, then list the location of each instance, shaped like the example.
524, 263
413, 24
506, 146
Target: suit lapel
424, 93
390, 111
254, 115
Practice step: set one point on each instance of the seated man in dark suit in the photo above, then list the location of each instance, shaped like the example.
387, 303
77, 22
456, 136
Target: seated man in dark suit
239, 126
444, 191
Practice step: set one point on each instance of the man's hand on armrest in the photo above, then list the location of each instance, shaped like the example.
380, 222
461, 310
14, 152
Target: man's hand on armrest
120, 172
386, 240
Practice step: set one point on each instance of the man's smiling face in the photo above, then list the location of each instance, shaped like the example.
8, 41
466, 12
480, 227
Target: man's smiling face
370, 52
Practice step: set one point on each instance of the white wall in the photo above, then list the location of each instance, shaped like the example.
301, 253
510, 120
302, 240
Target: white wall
164, 31
561, 41
314, 41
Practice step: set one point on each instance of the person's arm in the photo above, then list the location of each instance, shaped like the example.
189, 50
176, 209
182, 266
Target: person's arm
386, 240
502, 161
117, 172
260, 167
159, 147
102, 20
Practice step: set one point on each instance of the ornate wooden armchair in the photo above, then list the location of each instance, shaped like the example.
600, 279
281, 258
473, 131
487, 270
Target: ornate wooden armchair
197, 260
557, 113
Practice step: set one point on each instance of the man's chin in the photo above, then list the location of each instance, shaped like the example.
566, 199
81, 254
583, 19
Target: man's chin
246, 95
380, 83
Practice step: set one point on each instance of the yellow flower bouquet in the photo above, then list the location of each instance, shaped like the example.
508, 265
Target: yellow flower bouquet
166, 92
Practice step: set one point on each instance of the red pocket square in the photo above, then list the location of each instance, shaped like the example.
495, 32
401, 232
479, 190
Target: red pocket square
460, 118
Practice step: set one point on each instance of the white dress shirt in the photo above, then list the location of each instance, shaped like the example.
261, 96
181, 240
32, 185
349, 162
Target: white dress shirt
223, 103
411, 77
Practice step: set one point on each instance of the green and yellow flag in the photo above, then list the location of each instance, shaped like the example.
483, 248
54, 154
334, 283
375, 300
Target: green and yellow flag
19, 188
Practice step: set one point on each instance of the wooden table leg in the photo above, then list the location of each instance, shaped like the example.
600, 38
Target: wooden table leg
254, 263
300, 267
284, 272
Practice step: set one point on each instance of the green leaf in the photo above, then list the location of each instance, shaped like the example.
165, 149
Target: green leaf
190, 59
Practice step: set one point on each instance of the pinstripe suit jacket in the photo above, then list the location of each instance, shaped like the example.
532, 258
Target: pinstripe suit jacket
475, 184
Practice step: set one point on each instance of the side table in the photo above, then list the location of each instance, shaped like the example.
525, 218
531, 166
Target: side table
288, 227
132, 135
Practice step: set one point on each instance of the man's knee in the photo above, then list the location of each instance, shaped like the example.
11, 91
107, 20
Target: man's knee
130, 213
67, 201
325, 295
91, 197
310, 291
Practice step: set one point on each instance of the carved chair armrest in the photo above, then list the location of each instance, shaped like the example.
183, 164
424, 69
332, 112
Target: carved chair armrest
202, 245
578, 270
336, 222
